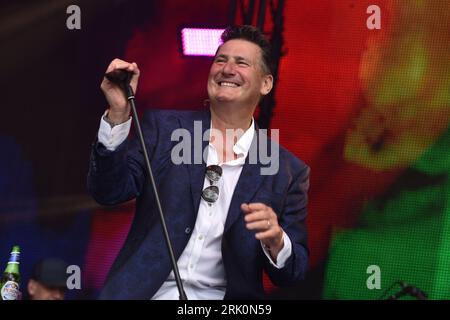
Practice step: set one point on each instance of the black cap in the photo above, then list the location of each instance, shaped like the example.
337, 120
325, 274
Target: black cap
51, 272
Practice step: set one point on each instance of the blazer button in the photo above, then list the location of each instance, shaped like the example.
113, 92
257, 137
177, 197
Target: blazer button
187, 230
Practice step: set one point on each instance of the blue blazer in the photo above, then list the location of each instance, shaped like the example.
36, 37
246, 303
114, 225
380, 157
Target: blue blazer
143, 263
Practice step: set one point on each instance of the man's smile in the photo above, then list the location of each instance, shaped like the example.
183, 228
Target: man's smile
228, 84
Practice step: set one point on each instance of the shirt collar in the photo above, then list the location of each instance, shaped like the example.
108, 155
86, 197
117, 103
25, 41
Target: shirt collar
243, 144
240, 148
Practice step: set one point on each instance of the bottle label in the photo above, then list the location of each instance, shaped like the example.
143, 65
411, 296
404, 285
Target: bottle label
10, 291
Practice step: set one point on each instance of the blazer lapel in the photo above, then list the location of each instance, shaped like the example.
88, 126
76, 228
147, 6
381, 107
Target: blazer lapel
198, 167
248, 183
249, 180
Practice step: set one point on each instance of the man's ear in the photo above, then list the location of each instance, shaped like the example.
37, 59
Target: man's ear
267, 84
31, 287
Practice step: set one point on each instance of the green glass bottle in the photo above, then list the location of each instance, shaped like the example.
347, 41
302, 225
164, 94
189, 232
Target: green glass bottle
10, 282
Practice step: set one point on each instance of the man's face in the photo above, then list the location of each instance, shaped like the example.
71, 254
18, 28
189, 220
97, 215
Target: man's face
236, 74
39, 291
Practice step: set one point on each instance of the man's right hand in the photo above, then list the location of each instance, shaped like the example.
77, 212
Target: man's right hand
119, 108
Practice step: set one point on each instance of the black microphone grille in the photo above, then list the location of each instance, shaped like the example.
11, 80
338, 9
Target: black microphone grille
118, 76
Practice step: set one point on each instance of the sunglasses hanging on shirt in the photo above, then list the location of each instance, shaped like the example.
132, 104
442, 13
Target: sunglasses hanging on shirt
211, 194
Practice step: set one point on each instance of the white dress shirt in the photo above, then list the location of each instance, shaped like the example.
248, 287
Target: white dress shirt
200, 265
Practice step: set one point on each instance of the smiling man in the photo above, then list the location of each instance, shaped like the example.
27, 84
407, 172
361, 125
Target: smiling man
227, 221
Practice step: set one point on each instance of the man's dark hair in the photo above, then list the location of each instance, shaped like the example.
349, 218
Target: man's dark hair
254, 35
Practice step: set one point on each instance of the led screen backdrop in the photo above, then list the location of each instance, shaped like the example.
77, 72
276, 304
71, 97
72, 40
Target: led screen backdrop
367, 110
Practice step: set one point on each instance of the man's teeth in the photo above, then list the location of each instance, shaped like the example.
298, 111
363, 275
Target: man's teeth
228, 84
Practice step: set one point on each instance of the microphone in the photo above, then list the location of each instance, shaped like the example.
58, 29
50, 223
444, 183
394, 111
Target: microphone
410, 290
414, 291
119, 76
122, 78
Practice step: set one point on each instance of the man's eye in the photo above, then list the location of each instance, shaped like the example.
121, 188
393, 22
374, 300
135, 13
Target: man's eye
220, 60
243, 63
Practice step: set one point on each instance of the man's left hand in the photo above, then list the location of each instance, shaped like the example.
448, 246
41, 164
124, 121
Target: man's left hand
264, 221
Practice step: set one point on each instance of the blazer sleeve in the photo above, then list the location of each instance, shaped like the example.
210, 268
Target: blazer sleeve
118, 176
292, 221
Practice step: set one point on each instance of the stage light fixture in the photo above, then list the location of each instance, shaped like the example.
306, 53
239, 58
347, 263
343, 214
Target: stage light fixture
200, 41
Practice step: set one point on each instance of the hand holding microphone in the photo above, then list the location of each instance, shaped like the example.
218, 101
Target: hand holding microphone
119, 109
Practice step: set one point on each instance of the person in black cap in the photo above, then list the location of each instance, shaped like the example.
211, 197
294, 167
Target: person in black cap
48, 280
